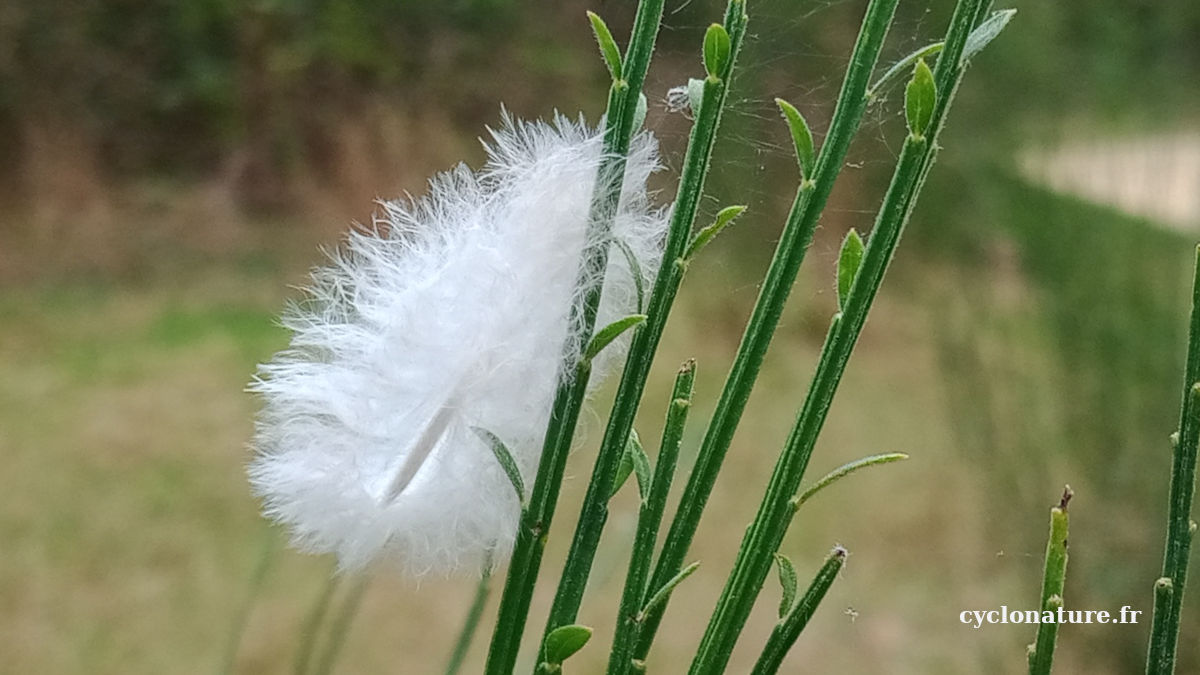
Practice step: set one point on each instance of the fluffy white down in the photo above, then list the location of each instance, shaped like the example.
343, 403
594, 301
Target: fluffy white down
451, 313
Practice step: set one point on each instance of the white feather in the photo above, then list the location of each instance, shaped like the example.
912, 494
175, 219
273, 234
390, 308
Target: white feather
454, 314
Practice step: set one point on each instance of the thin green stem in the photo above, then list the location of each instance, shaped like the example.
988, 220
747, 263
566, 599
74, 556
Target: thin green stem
536, 518
463, 644
774, 515
266, 557
649, 519
766, 532
1041, 652
594, 511
1168, 603
339, 630
311, 632
781, 275
788, 630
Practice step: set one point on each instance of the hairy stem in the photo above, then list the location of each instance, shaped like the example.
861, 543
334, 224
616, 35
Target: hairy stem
781, 275
594, 511
535, 520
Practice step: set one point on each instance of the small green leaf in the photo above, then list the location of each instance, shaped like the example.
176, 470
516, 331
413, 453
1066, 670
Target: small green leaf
506, 460
845, 470
660, 596
902, 66
919, 99
639, 113
849, 261
612, 331
787, 580
724, 217
625, 467
801, 137
608, 46
641, 464
562, 643
695, 93
716, 50
985, 32
635, 271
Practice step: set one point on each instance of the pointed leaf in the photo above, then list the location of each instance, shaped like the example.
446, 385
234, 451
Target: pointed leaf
639, 113
506, 460
641, 464
608, 46
660, 596
625, 467
612, 331
903, 66
985, 32
849, 261
695, 94
716, 50
919, 99
801, 138
723, 219
845, 470
787, 581
635, 271
562, 643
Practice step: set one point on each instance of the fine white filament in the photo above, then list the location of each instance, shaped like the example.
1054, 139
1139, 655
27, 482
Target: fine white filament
452, 312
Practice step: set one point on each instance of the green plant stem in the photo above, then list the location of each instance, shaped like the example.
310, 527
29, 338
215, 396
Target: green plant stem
463, 644
311, 632
649, 519
536, 517
774, 515
266, 557
781, 275
843, 471
1041, 654
1168, 603
340, 628
594, 511
766, 532
788, 630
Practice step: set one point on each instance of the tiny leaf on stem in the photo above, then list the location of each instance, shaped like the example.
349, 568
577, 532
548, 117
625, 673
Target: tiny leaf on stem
612, 331
985, 32
723, 219
641, 464
801, 137
639, 113
695, 94
919, 99
506, 460
849, 261
608, 46
902, 65
716, 50
660, 596
562, 643
635, 271
787, 580
625, 468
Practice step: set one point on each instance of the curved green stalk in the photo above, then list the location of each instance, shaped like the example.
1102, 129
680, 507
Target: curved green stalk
649, 519
781, 275
788, 630
594, 511
340, 629
1168, 598
536, 517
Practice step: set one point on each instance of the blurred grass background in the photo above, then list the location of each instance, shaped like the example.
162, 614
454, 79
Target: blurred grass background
171, 169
